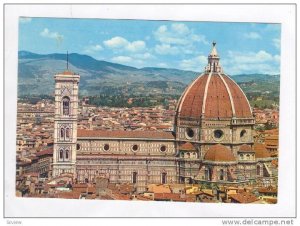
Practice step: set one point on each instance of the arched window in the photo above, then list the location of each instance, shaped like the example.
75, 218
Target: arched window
61, 154
164, 178
67, 132
66, 106
67, 154
134, 177
243, 133
62, 133
221, 174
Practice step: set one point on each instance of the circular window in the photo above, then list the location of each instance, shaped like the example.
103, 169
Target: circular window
106, 147
218, 134
243, 133
135, 147
163, 148
190, 133
77, 146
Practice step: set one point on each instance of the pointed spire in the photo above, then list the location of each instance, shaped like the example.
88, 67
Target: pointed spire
214, 50
213, 60
67, 71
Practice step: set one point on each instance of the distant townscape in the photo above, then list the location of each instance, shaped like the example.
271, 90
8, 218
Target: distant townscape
35, 154
86, 135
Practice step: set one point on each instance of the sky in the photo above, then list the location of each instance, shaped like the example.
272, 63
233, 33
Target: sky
243, 47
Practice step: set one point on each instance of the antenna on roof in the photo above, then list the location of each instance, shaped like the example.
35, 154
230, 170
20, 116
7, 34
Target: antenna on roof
67, 60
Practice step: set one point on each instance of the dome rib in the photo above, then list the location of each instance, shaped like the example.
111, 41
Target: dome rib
205, 93
218, 103
213, 95
183, 96
229, 94
192, 96
243, 105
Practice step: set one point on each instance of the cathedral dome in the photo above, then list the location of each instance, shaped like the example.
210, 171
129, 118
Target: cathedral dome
219, 153
213, 95
245, 148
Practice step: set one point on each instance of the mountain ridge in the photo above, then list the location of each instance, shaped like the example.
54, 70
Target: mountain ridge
36, 71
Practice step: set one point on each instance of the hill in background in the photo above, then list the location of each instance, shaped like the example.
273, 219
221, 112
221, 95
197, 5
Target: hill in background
36, 71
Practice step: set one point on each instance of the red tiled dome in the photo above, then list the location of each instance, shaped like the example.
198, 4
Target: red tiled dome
219, 153
245, 148
213, 95
187, 147
223, 99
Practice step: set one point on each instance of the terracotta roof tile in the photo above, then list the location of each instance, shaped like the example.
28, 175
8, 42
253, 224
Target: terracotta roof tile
261, 151
187, 147
168, 197
271, 200
79, 185
91, 190
218, 102
269, 189
244, 197
143, 198
219, 153
118, 196
68, 195
275, 162
242, 108
159, 188
126, 188
245, 148
190, 197
48, 151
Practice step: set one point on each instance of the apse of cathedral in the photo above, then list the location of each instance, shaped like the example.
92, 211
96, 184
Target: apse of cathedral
212, 141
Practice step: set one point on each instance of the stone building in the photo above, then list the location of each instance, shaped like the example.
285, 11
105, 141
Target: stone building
212, 141
65, 123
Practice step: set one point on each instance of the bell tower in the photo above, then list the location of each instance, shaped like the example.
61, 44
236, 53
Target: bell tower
65, 123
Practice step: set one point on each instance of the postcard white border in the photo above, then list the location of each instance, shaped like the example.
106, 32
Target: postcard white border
284, 14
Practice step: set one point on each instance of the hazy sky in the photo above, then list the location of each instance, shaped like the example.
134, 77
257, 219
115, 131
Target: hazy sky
243, 47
